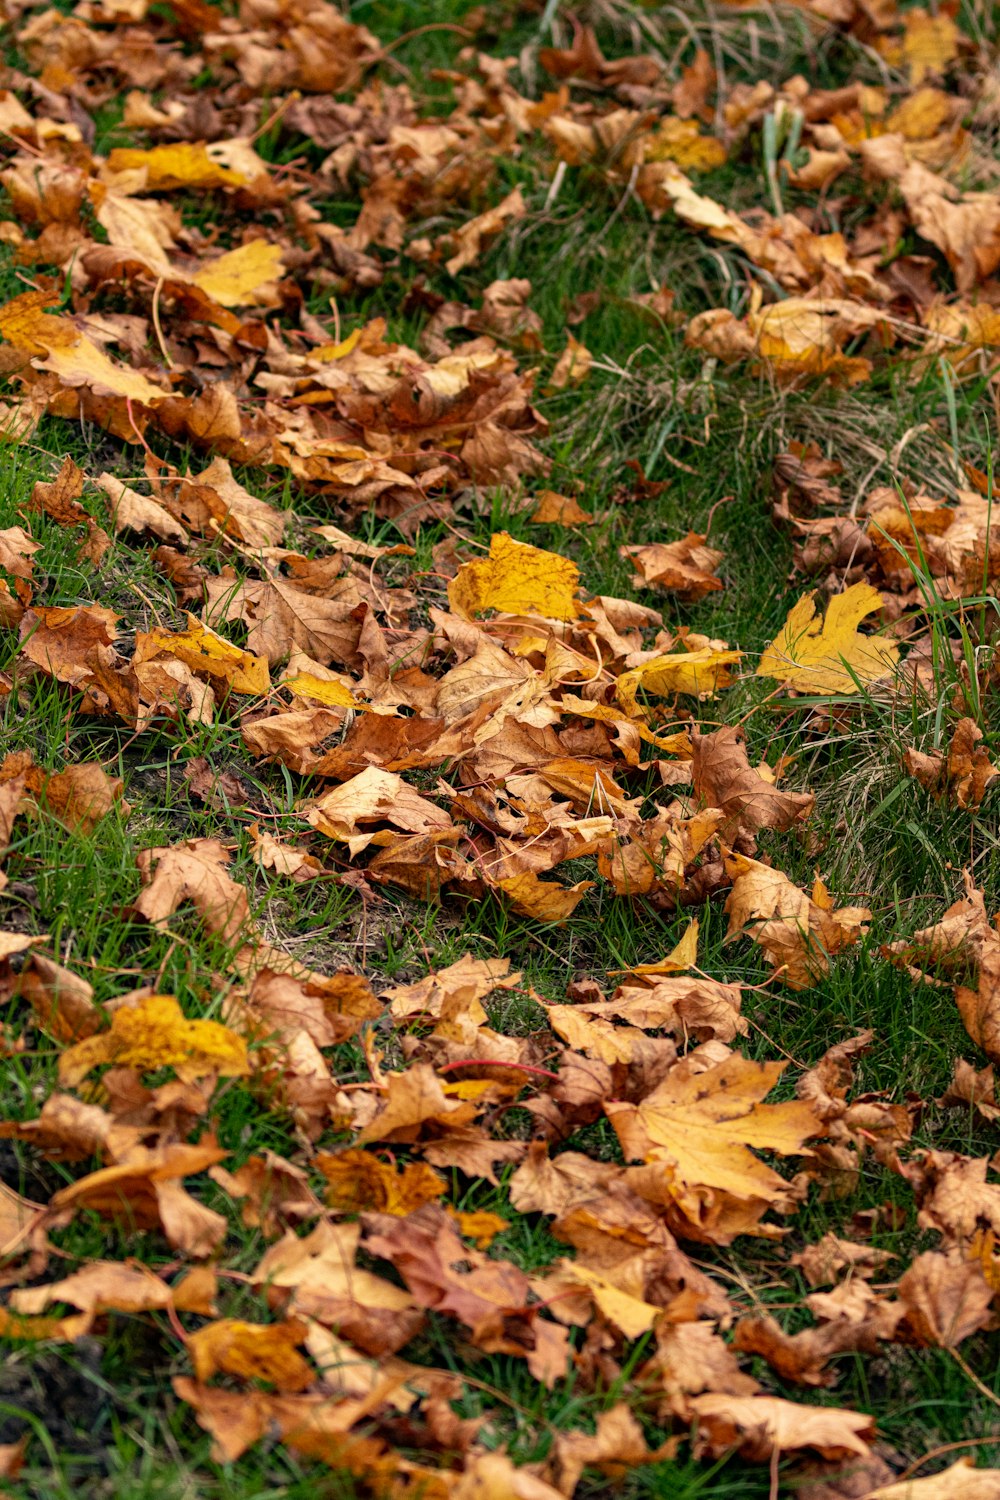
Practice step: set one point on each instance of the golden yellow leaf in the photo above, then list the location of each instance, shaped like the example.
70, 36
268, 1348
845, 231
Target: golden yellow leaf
692, 672
830, 655
922, 115
207, 654
630, 1314
83, 363
516, 579
186, 164
252, 1351
681, 141
545, 900
153, 1034
683, 956
704, 1127
320, 689
240, 277
963, 1481
480, 1225
25, 323
930, 42
326, 352
358, 1181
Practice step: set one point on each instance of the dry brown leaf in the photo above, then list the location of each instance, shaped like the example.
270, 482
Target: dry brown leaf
758, 1426
723, 777
687, 568
194, 871
798, 933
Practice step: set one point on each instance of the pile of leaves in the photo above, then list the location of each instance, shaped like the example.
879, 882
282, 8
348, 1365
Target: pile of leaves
466, 726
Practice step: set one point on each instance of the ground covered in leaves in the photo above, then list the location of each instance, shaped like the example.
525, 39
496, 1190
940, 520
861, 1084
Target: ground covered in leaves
498, 677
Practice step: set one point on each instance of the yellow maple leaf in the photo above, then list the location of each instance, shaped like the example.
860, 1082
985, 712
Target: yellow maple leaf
83, 363
516, 579
320, 689
633, 1315
704, 1128
237, 279
681, 141
186, 164
68, 353
252, 1351
207, 654
477, 1224
25, 323
155, 1034
930, 43
829, 655
358, 1181
692, 672
545, 900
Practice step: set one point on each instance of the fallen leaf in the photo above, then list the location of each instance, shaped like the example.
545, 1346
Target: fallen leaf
698, 1131
252, 1351
686, 568
516, 579
830, 655
758, 1426
152, 1034
193, 871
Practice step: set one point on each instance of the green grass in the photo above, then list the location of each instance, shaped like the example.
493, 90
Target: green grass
713, 433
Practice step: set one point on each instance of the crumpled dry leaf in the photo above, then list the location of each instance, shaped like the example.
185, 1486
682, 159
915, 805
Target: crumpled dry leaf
798, 933
686, 568
759, 1426
963, 773
723, 777
193, 871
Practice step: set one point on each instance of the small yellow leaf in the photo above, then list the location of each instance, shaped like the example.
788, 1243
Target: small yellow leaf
516, 579
830, 656
692, 672
327, 352
479, 1225
358, 1181
155, 1034
320, 689
236, 278
683, 956
186, 164
252, 1351
631, 1314
209, 654
930, 43
681, 141
545, 900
